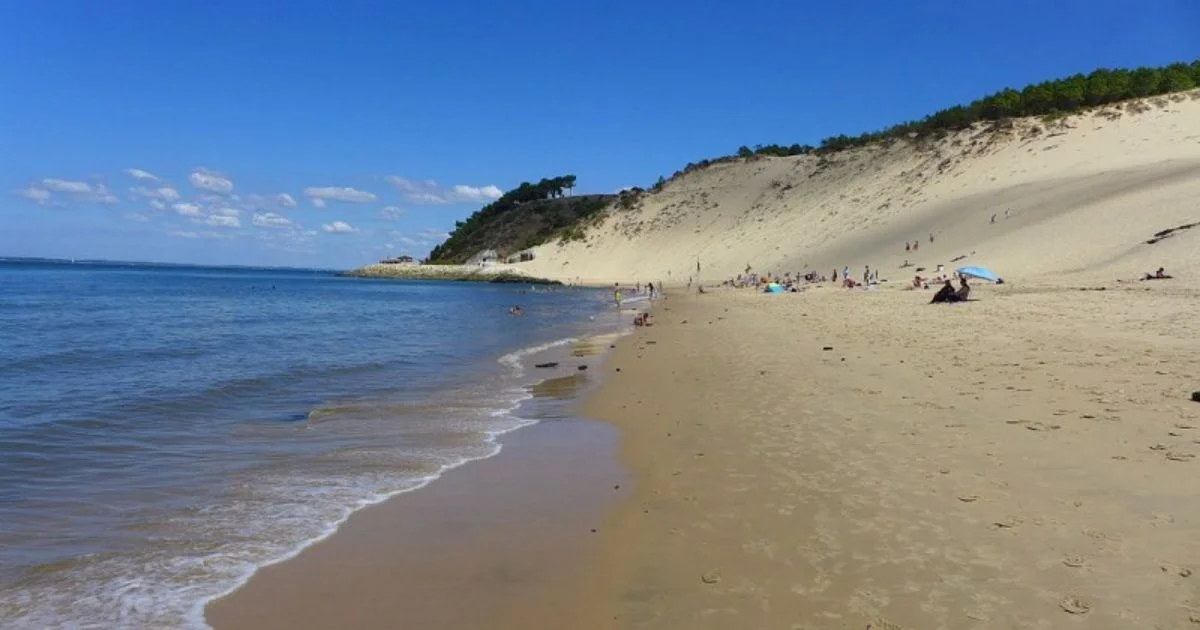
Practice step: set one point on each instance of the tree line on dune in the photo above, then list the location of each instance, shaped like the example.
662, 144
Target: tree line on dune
1055, 98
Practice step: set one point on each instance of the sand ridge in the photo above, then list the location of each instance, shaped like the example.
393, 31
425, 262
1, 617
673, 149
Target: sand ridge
1073, 196
1024, 461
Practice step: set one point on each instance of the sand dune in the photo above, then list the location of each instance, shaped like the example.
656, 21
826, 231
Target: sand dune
1074, 198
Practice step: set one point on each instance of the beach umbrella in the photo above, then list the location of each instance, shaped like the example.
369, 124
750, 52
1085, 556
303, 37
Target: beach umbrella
982, 273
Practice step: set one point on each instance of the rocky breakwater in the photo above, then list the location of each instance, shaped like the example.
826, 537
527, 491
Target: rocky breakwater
463, 273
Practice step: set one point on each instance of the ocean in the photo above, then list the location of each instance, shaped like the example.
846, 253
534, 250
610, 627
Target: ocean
165, 431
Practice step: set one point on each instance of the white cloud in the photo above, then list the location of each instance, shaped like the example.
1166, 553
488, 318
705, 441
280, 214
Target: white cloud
391, 213
187, 209
184, 234
271, 219
221, 220
40, 196
138, 217
158, 204
269, 203
317, 203
430, 192
227, 212
165, 193
79, 190
67, 186
138, 173
205, 179
426, 198
101, 194
339, 193
471, 193
338, 227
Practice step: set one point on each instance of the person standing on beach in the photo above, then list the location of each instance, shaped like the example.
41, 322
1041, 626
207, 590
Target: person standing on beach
617, 294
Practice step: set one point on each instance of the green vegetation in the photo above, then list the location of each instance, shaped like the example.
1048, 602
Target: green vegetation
1049, 99
524, 217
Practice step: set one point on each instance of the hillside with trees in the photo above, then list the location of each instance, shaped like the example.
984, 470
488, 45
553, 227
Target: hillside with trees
524, 217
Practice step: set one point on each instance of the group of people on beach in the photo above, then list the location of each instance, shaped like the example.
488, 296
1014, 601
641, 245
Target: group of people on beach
651, 291
948, 293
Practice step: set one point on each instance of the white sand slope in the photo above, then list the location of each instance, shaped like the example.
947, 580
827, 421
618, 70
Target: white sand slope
1075, 199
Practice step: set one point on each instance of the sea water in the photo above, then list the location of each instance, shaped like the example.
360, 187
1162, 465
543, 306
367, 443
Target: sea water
165, 431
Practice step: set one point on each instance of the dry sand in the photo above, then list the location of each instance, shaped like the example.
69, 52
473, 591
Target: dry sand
854, 459
1081, 195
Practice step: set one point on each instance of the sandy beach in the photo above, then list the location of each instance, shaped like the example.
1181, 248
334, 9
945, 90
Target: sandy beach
850, 459
838, 458
826, 459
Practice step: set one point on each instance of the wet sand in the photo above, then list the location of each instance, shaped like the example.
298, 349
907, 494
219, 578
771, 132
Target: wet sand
499, 543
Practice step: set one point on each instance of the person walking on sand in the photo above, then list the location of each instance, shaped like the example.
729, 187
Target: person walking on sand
845, 271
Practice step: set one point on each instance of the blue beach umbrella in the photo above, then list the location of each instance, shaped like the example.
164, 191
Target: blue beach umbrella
982, 273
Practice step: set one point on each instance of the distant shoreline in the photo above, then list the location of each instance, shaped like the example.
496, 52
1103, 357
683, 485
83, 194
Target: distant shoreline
461, 273
149, 264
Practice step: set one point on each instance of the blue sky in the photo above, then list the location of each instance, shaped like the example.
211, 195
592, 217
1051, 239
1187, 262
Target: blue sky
332, 134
